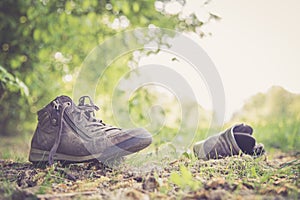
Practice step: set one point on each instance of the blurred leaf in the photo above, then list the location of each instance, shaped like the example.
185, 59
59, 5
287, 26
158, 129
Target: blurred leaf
11, 83
175, 178
135, 7
23, 88
185, 179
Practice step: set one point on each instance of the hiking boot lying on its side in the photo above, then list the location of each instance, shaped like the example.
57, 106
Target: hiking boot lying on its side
234, 141
71, 133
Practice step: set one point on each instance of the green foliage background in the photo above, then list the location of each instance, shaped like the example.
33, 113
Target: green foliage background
44, 42
275, 115
33, 31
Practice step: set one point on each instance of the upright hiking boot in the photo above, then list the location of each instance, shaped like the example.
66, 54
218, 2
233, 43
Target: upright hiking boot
234, 141
71, 133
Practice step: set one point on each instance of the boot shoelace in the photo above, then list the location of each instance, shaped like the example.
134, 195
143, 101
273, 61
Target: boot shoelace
87, 111
57, 139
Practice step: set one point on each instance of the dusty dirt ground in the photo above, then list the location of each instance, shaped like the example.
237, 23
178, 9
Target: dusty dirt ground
229, 178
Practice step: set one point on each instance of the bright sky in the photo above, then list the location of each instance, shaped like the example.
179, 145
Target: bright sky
256, 45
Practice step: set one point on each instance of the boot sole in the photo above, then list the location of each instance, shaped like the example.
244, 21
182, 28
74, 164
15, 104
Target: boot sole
114, 152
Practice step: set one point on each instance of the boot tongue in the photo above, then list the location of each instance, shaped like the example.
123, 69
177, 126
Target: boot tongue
64, 99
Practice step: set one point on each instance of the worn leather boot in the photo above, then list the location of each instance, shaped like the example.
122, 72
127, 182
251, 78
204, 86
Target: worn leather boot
67, 132
234, 141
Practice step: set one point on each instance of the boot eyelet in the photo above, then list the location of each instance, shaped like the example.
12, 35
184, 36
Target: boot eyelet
54, 122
